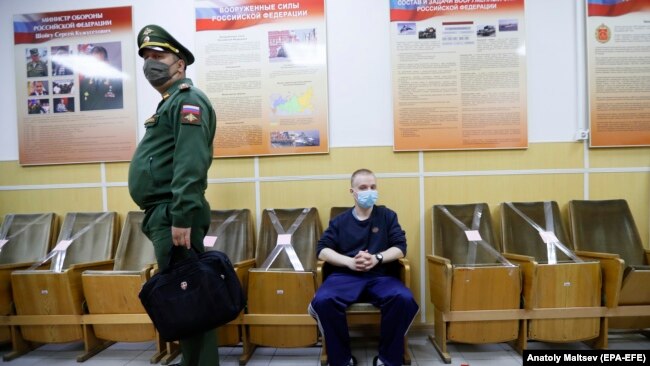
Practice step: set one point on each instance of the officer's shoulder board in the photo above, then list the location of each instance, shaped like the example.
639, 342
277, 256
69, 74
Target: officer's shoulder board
190, 114
151, 121
184, 87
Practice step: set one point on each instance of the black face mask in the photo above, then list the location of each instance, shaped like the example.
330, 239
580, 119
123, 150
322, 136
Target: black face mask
156, 72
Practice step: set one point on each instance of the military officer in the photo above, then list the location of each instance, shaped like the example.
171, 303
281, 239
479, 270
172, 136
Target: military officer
36, 67
168, 172
98, 93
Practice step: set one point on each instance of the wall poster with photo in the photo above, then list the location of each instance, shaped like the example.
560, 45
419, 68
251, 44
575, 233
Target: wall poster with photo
618, 51
458, 75
263, 65
75, 96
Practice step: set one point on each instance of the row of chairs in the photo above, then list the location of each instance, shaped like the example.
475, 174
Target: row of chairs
536, 283
476, 291
84, 285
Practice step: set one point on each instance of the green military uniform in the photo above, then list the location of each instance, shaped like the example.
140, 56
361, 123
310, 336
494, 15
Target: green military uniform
168, 179
38, 68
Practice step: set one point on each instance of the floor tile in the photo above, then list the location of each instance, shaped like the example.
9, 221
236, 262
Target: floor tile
363, 348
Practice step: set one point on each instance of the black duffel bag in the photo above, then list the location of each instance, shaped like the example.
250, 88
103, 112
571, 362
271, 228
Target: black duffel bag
193, 295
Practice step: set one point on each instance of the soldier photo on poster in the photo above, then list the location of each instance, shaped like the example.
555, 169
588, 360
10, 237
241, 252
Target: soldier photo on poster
61, 61
100, 86
36, 62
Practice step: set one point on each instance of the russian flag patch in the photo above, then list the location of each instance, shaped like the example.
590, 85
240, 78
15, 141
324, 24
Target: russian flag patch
191, 114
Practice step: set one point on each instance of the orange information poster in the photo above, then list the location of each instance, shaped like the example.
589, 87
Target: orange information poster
75, 91
458, 74
263, 65
618, 57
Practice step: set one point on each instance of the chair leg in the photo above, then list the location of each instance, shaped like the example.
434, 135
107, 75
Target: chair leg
600, 342
521, 343
173, 350
19, 346
407, 354
439, 339
323, 352
161, 350
247, 347
92, 344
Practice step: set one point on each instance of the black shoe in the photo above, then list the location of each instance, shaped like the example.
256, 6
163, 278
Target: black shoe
377, 362
352, 362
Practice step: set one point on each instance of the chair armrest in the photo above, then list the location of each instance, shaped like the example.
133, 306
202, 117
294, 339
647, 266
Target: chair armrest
595, 255
145, 273
527, 266
241, 269
439, 271
100, 265
405, 272
319, 273
612, 267
155, 269
17, 266
245, 264
519, 258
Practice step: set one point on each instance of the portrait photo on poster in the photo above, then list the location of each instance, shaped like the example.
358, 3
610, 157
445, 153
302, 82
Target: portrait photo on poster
100, 76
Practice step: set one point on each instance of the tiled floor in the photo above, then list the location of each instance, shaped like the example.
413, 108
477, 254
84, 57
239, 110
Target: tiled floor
364, 349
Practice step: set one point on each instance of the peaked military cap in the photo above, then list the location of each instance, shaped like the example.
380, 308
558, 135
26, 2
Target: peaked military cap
33, 51
156, 38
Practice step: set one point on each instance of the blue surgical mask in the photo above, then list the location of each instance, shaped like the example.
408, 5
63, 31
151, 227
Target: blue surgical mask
367, 199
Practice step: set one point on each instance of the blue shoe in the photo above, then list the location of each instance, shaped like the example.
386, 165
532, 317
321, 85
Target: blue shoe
377, 362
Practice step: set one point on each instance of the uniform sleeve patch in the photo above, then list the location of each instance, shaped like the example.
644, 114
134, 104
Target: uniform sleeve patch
191, 114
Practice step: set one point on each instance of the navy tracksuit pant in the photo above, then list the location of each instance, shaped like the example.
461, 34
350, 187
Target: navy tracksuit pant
339, 290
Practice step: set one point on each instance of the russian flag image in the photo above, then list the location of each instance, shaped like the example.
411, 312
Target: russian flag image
613, 8
192, 109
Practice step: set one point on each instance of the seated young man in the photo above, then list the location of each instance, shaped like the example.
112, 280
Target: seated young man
359, 244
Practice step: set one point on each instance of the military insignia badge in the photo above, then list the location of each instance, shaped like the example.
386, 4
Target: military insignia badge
603, 34
191, 114
147, 31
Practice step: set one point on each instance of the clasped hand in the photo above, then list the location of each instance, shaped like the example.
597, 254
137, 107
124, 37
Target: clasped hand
363, 261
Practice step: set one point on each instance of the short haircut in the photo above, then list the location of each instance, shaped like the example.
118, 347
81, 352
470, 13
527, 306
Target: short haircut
359, 171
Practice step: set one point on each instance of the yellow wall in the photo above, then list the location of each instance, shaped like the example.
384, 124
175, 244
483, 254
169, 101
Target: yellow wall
545, 171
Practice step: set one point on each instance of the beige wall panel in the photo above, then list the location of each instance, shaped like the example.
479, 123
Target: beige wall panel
117, 172
632, 187
619, 157
13, 174
340, 161
538, 156
60, 201
399, 194
494, 190
220, 168
232, 168
119, 200
231, 196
